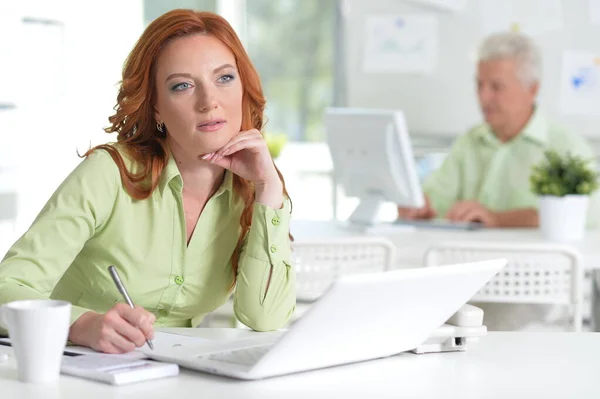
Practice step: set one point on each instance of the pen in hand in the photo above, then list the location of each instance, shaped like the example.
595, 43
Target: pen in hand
115, 276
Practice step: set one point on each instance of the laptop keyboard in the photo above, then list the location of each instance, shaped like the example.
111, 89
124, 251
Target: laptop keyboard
244, 357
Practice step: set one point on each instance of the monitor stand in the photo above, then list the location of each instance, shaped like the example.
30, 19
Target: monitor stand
364, 217
366, 212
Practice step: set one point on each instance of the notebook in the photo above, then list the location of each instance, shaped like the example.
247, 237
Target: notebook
123, 369
116, 369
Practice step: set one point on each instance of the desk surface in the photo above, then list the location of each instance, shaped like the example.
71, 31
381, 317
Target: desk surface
412, 243
502, 365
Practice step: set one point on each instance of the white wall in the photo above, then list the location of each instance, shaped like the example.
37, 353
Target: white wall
444, 102
66, 77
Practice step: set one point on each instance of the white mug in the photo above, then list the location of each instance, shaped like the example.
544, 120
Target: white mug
38, 331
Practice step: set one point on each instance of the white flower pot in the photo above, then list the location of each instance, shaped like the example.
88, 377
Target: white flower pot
563, 219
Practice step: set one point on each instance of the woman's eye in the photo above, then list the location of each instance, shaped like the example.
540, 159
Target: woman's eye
225, 79
181, 86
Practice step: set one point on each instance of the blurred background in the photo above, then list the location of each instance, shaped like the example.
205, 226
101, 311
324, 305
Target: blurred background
60, 63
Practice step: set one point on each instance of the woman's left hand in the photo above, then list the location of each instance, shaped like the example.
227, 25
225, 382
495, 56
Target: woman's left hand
247, 156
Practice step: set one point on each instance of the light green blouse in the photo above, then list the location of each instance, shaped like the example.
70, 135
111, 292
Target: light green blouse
91, 222
480, 167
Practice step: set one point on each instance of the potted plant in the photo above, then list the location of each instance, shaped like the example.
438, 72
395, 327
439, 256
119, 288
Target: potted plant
275, 143
563, 184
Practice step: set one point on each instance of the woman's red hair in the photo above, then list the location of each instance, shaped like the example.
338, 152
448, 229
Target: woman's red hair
134, 121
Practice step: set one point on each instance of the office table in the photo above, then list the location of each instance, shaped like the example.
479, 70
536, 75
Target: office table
412, 243
502, 365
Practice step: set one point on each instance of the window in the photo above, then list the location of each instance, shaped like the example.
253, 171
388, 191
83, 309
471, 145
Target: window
295, 47
155, 8
292, 45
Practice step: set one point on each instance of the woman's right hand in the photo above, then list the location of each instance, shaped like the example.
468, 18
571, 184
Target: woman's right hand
426, 212
121, 329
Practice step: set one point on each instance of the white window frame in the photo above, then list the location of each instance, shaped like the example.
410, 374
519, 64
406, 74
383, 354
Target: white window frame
234, 11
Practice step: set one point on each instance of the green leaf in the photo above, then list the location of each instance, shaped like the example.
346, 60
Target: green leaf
562, 175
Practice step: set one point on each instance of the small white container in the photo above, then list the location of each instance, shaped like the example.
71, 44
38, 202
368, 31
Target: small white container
563, 219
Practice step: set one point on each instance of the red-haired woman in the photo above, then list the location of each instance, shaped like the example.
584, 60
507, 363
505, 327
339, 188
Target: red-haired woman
187, 204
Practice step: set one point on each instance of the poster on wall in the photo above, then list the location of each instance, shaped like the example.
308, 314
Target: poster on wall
400, 44
522, 16
580, 83
41, 55
594, 11
10, 25
451, 5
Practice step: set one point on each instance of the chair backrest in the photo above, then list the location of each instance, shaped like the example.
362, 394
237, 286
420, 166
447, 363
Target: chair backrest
535, 273
319, 262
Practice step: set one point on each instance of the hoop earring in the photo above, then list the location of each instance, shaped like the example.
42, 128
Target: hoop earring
160, 126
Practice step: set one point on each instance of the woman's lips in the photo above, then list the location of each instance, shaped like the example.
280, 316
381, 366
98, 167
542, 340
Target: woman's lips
211, 126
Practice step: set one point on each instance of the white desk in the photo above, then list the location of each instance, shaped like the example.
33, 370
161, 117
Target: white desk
502, 365
412, 244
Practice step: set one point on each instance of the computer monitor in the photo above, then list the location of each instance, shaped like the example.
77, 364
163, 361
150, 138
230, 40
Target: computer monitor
373, 159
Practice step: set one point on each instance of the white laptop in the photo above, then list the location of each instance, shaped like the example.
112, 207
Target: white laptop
359, 318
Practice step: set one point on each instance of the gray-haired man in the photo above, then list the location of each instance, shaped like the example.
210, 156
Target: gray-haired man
485, 177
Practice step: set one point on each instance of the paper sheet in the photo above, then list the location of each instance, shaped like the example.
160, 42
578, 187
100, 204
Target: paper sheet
580, 83
41, 59
594, 11
401, 43
10, 31
176, 344
532, 17
452, 5
162, 341
101, 362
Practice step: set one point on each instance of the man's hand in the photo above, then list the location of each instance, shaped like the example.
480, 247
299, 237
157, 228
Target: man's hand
426, 212
472, 211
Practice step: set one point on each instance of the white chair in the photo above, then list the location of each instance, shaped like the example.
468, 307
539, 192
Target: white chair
536, 273
319, 262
